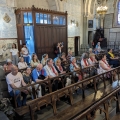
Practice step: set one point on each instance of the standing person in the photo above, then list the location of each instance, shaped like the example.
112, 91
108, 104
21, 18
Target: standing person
15, 80
14, 54
58, 49
25, 53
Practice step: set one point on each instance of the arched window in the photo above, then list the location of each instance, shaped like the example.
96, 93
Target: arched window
118, 12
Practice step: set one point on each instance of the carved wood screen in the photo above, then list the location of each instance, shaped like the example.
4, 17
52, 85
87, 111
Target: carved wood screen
49, 28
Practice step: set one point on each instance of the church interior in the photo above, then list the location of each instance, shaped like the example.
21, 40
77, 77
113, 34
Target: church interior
59, 59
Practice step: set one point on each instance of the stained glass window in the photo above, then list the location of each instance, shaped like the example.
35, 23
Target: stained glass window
119, 12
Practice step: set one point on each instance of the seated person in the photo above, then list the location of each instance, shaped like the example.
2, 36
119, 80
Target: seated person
112, 59
39, 74
22, 64
54, 60
28, 79
90, 50
34, 62
103, 65
7, 67
44, 59
50, 69
52, 72
69, 56
84, 61
63, 57
98, 47
59, 67
92, 59
74, 67
15, 80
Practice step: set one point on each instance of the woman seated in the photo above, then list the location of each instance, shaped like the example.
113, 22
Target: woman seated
90, 50
8, 65
73, 68
112, 59
22, 64
64, 61
59, 67
92, 60
97, 48
84, 61
63, 57
34, 62
103, 65
44, 59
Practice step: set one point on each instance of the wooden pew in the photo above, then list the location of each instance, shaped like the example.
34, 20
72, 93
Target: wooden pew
68, 91
97, 106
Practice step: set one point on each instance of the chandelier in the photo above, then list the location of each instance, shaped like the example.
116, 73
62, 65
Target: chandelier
102, 10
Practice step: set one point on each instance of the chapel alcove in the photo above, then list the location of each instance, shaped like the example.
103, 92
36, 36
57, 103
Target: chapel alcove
41, 30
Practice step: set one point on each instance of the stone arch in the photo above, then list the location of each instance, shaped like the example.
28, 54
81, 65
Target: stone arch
92, 7
116, 3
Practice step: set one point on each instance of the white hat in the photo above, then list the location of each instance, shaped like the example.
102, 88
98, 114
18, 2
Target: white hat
72, 58
8, 60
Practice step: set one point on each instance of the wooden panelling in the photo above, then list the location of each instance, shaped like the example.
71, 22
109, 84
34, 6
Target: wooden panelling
46, 35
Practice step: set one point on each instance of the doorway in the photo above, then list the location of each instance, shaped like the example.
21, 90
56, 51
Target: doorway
90, 38
76, 45
29, 39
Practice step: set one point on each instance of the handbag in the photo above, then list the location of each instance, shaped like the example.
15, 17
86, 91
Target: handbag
42, 77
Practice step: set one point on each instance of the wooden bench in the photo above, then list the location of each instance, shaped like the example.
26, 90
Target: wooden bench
103, 101
50, 82
83, 105
68, 91
53, 97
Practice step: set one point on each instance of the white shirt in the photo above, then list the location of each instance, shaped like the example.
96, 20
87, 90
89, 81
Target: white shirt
101, 70
25, 52
14, 51
83, 63
22, 65
50, 71
91, 62
14, 79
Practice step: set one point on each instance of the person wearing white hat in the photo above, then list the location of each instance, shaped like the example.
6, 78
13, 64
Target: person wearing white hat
8, 65
73, 68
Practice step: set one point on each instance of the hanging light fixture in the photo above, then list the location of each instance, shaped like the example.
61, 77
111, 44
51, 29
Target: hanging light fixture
102, 10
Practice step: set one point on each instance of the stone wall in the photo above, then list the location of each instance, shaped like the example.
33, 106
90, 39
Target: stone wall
29, 3
5, 46
74, 9
112, 30
8, 32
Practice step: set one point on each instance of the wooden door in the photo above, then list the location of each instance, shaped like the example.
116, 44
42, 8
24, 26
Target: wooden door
76, 45
46, 37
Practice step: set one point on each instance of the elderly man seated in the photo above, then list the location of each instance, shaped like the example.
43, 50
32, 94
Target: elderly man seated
39, 74
52, 72
15, 80
8, 65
